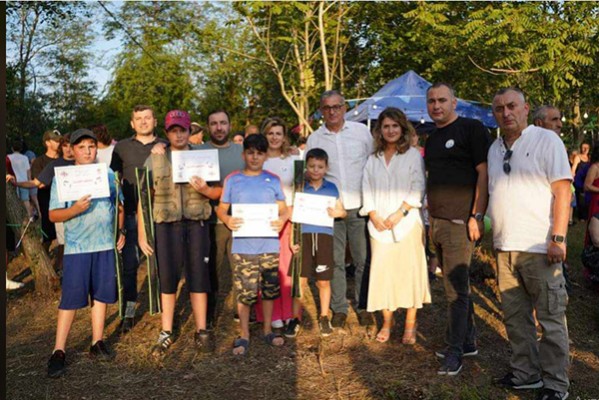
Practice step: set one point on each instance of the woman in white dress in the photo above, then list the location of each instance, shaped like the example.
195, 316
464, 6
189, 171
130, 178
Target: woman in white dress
280, 162
393, 187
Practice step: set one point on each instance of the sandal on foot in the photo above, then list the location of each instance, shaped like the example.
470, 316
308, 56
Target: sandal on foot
269, 339
383, 335
409, 335
241, 342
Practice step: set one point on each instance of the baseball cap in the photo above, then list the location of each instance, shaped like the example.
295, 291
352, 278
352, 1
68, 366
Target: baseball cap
51, 135
80, 134
177, 117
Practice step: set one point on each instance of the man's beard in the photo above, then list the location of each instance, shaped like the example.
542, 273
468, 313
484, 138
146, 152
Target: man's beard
219, 142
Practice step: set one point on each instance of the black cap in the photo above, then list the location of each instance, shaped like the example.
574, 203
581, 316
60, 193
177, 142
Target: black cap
80, 134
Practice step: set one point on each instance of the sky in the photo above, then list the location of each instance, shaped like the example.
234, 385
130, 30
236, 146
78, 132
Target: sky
105, 51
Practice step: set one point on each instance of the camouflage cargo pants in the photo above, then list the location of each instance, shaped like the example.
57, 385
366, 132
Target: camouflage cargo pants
253, 272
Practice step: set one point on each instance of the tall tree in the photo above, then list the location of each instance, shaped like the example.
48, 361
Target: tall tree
26, 24
152, 67
298, 41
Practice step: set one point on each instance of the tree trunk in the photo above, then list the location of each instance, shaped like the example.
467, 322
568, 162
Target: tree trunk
44, 277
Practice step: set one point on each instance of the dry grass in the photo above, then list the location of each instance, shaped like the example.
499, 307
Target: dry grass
348, 365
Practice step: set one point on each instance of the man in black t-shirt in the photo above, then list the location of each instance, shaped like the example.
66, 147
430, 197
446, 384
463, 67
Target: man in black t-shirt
51, 140
129, 154
456, 161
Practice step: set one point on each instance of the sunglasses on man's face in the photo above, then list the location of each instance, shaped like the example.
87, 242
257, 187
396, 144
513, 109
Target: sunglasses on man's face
507, 168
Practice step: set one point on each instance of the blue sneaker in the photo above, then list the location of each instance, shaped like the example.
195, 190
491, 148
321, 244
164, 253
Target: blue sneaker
452, 365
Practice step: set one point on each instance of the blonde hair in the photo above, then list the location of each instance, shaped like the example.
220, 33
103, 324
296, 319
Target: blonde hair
271, 122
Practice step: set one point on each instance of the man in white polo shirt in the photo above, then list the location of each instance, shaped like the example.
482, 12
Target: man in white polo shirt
348, 145
529, 200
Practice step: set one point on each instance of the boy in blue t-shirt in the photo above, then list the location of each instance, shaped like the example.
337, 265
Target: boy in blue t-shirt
317, 244
255, 259
89, 258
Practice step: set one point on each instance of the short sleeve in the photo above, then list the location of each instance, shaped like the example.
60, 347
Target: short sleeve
279, 195
47, 174
116, 163
557, 166
36, 167
479, 142
226, 194
54, 203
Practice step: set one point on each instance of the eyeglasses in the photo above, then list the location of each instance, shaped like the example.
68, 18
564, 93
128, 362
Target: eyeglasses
507, 168
337, 107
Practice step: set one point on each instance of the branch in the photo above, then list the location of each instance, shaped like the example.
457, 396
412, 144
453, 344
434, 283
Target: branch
323, 47
500, 71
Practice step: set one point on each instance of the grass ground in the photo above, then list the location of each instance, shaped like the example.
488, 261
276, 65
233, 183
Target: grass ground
348, 365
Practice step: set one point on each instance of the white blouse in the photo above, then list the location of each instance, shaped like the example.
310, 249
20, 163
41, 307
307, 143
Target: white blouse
386, 187
283, 168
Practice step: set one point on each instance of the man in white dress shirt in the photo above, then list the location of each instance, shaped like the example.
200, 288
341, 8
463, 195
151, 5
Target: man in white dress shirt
348, 145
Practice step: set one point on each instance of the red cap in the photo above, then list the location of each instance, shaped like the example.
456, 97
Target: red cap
177, 117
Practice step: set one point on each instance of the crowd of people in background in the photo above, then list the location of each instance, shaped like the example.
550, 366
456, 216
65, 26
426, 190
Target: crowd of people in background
403, 206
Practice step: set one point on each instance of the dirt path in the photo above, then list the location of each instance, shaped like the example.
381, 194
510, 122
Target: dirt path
348, 365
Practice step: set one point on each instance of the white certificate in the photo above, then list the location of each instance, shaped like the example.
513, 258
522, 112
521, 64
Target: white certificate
75, 181
312, 209
202, 163
256, 219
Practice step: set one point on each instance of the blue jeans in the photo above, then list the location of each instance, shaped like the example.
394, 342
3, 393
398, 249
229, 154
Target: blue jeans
352, 229
130, 258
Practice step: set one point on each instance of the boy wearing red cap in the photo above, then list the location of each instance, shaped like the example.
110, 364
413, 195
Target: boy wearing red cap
180, 212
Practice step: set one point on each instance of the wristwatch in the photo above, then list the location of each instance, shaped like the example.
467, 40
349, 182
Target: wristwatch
478, 216
123, 231
558, 239
403, 211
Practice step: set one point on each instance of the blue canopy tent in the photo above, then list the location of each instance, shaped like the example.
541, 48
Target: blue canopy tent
408, 93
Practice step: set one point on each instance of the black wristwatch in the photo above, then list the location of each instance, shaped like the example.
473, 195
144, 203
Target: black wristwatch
478, 216
558, 239
123, 231
403, 211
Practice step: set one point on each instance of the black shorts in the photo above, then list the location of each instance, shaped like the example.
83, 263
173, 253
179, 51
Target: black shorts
183, 244
317, 256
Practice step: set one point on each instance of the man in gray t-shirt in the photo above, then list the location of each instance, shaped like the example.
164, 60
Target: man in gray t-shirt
229, 158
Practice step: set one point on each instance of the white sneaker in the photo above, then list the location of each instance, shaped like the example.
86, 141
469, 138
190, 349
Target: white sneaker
278, 324
13, 285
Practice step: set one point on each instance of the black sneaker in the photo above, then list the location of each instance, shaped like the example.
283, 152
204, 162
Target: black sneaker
325, 326
550, 394
467, 351
100, 351
509, 381
165, 340
364, 318
452, 365
57, 364
293, 328
203, 340
338, 320
126, 325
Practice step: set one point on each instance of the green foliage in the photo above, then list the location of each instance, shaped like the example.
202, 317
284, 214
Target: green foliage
259, 59
152, 67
